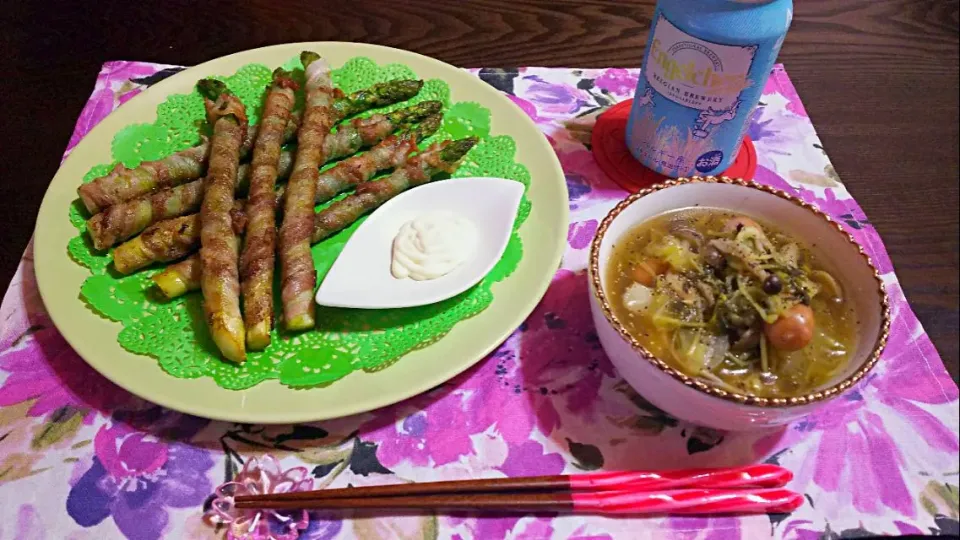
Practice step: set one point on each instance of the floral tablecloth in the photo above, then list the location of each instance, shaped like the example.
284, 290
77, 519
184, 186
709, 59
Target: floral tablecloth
81, 458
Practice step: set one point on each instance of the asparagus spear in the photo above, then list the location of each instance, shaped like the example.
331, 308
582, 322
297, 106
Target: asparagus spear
219, 249
289, 133
170, 239
378, 95
257, 257
363, 132
298, 277
123, 184
179, 278
183, 277
124, 220
390, 153
166, 241
350, 138
420, 169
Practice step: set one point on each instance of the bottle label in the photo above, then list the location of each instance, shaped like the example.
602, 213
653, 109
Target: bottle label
698, 74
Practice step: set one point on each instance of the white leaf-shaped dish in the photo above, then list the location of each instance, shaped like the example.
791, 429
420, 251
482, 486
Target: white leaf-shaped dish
361, 277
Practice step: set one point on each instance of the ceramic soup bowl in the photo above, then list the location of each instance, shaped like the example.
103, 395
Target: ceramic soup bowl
702, 403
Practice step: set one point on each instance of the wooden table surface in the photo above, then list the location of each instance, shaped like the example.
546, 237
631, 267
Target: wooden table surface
878, 77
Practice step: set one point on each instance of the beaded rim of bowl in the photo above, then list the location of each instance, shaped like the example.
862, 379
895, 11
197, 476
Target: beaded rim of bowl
712, 390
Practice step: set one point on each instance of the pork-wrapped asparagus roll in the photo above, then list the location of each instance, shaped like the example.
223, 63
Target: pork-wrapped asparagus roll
179, 278
137, 253
183, 277
124, 220
168, 240
289, 133
123, 184
257, 257
389, 154
420, 169
219, 247
297, 274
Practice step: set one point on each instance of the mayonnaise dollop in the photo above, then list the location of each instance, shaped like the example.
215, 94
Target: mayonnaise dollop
432, 245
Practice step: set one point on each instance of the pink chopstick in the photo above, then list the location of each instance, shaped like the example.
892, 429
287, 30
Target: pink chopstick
636, 503
752, 476
741, 490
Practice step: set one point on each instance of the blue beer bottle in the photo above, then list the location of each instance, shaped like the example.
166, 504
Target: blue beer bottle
705, 67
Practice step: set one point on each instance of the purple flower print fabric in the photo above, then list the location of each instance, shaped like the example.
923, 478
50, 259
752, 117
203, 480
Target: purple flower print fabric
81, 458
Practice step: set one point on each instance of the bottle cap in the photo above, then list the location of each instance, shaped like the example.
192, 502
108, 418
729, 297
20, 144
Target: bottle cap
609, 147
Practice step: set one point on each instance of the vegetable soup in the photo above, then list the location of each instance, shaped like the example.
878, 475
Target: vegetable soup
732, 302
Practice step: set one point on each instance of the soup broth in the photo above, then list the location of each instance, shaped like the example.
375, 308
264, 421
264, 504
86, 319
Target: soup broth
733, 302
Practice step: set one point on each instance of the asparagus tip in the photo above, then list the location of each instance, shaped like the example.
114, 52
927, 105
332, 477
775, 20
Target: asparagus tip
281, 73
397, 90
414, 113
455, 150
211, 88
411, 86
427, 127
308, 57
431, 107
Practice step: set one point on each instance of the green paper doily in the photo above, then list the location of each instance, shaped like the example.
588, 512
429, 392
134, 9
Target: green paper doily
345, 340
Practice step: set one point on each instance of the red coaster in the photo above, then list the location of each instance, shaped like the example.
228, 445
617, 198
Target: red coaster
610, 150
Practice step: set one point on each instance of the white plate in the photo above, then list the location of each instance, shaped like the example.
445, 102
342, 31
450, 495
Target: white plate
361, 276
